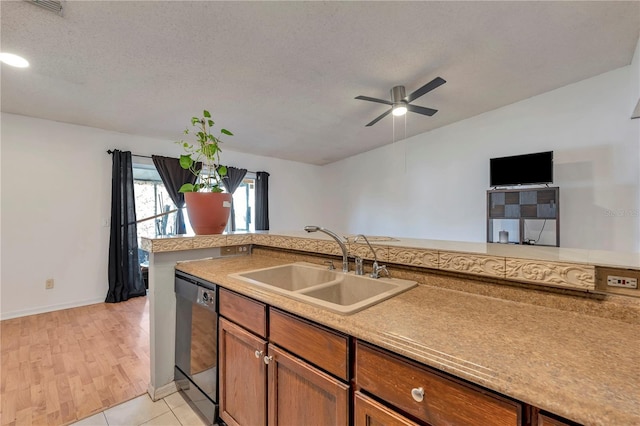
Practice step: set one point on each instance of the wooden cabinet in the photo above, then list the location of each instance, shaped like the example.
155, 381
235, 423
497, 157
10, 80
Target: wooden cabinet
428, 395
242, 346
279, 369
244, 311
243, 376
548, 421
368, 412
544, 419
262, 383
300, 394
318, 345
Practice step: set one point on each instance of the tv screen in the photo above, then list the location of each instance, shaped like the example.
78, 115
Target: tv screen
525, 169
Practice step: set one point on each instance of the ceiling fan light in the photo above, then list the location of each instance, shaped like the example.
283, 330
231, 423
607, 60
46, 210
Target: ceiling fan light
399, 110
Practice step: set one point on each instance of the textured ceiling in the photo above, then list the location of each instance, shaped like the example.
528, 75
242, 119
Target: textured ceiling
283, 75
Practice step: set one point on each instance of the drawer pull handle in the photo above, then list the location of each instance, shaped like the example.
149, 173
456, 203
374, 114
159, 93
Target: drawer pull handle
417, 394
258, 354
268, 359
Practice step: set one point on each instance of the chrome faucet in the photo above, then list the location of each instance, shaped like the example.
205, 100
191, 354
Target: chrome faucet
375, 273
345, 255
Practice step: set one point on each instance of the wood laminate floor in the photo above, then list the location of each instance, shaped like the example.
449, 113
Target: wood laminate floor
62, 366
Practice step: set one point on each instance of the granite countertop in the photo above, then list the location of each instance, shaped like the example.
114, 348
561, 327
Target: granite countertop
630, 260
584, 368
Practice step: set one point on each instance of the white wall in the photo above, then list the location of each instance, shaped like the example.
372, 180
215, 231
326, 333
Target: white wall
56, 185
433, 185
634, 99
56, 191
294, 189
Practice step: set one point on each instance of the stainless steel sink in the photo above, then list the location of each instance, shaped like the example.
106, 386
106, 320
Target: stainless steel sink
344, 293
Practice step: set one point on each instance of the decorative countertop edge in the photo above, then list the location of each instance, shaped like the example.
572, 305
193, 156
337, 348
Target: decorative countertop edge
451, 256
535, 360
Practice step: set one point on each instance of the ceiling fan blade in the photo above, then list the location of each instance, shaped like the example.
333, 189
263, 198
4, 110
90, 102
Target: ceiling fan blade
421, 110
436, 82
380, 101
380, 117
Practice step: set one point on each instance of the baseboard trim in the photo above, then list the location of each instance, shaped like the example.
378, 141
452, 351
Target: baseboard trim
162, 391
51, 308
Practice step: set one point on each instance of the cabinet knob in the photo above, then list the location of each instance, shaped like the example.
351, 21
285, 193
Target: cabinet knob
258, 354
267, 359
417, 394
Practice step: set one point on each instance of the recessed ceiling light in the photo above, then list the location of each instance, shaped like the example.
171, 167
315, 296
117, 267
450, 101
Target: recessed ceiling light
13, 60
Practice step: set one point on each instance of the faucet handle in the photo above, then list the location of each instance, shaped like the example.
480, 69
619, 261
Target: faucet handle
383, 268
375, 273
330, 263
359, 265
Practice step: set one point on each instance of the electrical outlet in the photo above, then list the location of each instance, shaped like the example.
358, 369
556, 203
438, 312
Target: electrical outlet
625, 282
234, 250
48, 284
228, 250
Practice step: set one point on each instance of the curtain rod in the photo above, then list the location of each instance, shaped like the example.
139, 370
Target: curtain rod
148, 156
133, 155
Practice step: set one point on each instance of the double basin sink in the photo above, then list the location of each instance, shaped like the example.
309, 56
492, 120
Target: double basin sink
340, 292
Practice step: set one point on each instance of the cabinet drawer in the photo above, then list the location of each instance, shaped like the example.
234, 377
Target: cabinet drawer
445, 402
368, 412
544, 420
325, 348
246, 312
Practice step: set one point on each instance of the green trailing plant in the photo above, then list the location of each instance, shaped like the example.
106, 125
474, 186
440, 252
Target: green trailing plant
207, 151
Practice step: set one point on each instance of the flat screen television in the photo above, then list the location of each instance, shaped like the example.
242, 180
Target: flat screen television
525, 169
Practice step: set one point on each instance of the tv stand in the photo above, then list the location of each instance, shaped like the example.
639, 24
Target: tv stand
529, 216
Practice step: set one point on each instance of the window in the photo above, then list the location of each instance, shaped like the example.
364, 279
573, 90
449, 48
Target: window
152, 199
244, 199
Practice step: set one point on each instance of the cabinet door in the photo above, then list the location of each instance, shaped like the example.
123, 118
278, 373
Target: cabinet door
371, 413
243, 376
300, 394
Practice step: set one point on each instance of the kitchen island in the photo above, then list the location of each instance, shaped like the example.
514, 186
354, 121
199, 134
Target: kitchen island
566, 359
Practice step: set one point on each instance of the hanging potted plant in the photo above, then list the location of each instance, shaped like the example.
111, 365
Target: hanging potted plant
208, 207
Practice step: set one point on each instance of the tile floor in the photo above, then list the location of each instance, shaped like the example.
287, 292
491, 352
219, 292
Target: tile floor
174, 410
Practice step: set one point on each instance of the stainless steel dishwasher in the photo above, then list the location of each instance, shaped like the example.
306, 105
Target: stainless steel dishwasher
196, 369
196, 351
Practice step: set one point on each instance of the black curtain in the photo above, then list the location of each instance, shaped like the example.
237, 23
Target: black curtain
125, 276
174, 176
231, 182
262, 201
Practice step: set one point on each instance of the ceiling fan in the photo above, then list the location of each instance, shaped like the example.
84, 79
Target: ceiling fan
401, 103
